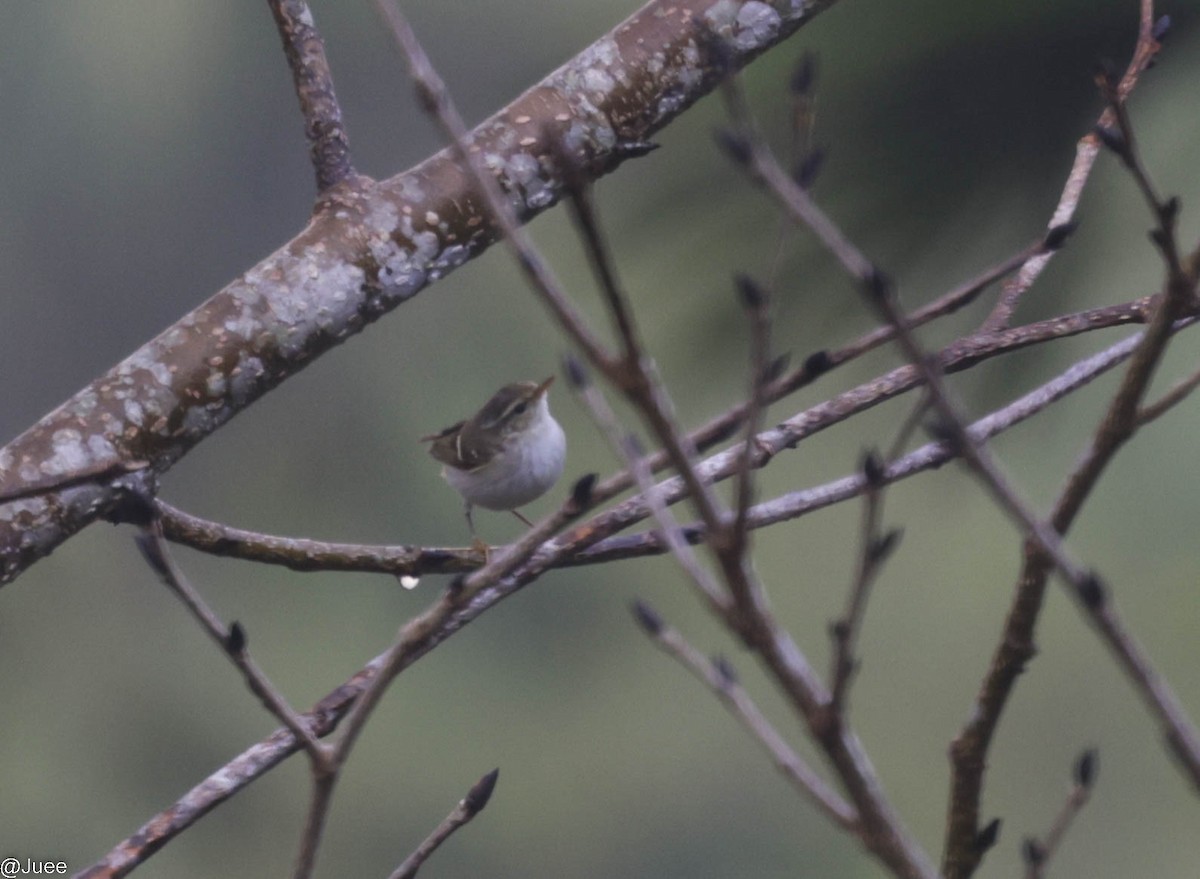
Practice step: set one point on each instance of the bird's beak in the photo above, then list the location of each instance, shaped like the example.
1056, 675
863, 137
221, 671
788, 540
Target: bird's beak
541, 389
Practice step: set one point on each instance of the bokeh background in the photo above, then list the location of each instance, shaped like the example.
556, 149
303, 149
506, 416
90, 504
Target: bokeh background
153, 152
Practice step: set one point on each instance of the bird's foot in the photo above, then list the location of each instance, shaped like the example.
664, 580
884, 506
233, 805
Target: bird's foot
481, 548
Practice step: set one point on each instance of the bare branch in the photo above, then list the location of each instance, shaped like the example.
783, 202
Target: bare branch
669, 533
1038, 852
324, 780
302, 554
1172, 398
468, 807
231, 640
757, 305
881, 295
1085, 158
328, 145
874, 548
719, 677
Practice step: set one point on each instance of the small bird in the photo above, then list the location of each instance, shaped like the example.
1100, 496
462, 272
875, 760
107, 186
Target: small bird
507, 454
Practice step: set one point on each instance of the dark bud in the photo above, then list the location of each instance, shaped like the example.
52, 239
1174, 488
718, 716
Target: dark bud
817, 364
884, 546
634, 149
479, 794
455, 586
426, 97
571, 165
691, 534
1113, 139
1160, 238
725, 670
878, 285
581, 491
235, 639
1091, 592
724, 433
735, 146
1162, 27
872, 468
648, 618
941, 430
776, 368
1057, 236
1086, 767
134, 503
753, 297
576, 372
839, 630
1032, 852
804, 77
986, 838
1170, 210
720, 54
1105, 73
809, 167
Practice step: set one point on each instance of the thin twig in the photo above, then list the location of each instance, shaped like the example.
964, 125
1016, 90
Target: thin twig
757, 305
468, 807
930, 456
635, 373
325, 777
874, 548
303, 554
231, 639
880, 293
1121, 139
1169, 400
1086, 152
719, 677
625, 450
324, 780
328, 145
1039, 852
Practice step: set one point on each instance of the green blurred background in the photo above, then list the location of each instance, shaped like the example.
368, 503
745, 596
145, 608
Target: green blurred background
154, 152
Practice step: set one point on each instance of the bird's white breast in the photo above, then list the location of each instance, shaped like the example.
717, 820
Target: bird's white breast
525, 470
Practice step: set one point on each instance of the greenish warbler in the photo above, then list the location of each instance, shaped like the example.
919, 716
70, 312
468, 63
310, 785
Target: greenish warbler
505, 455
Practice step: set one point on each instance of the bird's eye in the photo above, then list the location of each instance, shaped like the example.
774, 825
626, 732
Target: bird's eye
519, 409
